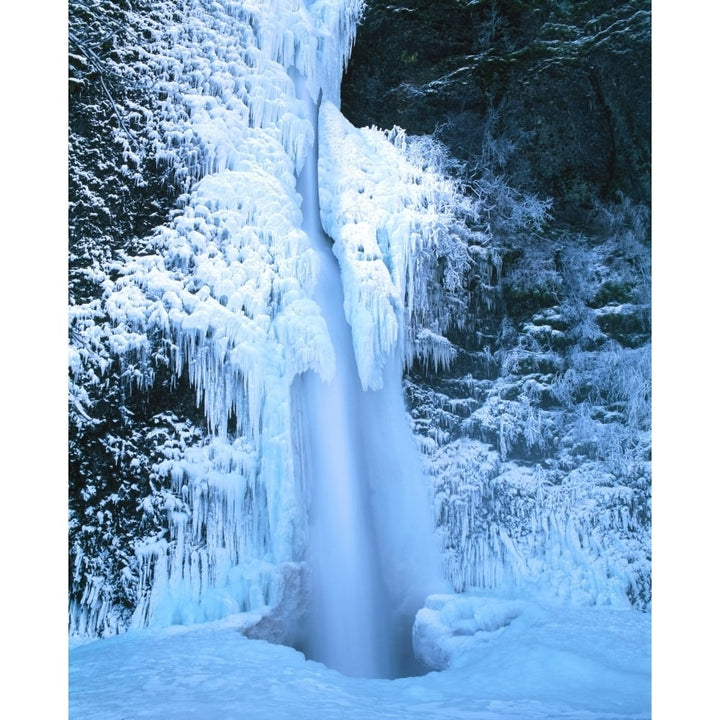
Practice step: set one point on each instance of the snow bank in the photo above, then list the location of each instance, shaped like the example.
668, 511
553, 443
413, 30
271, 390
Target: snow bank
545, 662
451, 627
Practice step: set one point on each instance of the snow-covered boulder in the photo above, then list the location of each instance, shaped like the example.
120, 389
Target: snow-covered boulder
452, 626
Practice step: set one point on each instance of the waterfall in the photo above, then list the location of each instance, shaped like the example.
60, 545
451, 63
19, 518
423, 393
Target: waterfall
349, 603
353, 445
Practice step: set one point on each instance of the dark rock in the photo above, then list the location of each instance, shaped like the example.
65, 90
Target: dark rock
556, 96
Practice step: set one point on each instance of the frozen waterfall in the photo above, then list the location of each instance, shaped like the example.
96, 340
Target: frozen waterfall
292, 325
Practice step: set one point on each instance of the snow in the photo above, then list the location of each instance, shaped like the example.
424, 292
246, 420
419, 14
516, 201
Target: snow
511, 659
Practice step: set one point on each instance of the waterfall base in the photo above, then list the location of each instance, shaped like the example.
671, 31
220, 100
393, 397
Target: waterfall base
294, 624
400, 661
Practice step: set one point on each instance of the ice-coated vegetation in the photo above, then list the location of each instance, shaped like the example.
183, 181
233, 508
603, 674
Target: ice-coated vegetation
220, 297
541, 452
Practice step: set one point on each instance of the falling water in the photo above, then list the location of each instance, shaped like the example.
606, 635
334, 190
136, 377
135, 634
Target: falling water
354, 449
349, 614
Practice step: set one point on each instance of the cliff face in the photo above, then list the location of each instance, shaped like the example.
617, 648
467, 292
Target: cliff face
539, 435
556, 95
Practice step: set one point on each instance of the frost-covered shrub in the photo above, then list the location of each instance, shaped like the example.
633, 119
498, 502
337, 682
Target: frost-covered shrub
119, 499
613, 378
564, 507
119, 186
466, 254
628, 226
483, 153
531, 281
580, 536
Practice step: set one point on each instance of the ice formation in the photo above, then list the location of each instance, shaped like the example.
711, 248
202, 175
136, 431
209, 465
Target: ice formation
384, 213
228, 286
235, 287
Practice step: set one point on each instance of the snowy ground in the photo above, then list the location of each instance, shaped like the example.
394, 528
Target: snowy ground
548, 662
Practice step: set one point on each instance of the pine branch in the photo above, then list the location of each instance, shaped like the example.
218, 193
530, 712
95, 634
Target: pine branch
97, 63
